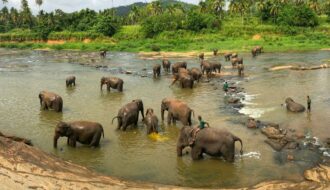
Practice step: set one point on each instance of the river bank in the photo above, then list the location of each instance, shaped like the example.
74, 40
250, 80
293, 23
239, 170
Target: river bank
27, 167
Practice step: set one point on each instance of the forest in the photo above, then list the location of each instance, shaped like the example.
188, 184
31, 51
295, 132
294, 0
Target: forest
172, 25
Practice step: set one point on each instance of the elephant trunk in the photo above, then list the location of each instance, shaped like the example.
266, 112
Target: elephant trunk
162, 113
179, 149
56, 137
238, 139
40, 98
142, 112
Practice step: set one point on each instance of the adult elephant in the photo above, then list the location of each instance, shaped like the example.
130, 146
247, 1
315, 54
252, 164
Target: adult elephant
291, 105
206, 68
196, 73
234, 55
156, 70
129, 114
103, 54
236, 60
227, 56
177, 65
166, 65
151, 121
50, 100
112, 82
201, 56
216, 67
254, 52
211, 141
85, 132
177, 110
259, 49
215, 52
185, 79
240, 68
70, 81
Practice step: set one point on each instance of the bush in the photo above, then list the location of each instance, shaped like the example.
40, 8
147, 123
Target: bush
154, 25
299, 15
106, 26
155, 48
197, 21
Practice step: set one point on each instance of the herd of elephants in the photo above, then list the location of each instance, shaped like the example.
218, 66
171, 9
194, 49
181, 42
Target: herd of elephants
211, 141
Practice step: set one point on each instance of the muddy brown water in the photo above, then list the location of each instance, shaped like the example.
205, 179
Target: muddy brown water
135, 156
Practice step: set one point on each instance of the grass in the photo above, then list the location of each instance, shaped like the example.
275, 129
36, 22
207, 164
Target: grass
233, 36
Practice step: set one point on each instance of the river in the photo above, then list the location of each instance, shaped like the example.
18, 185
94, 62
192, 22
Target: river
135, 156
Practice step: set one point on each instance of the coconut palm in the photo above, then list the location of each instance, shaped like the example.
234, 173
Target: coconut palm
217, 7
156, 7
39, 3
239, 6
203, 6
314, 5
275, 8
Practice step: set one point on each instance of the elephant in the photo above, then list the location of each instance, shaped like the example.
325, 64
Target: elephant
235, 61
234, 55
210, 140
177, 110
177, 65
293, 106
206, 67
151, 121
215, 52
103, 53
129, 114
259, 49
50, 100
201, 56
156, 70
227, 56
85, 132
70, 80
240, 68
196, 73
254, 52
216, 67
166, 65
113, 82
186, 80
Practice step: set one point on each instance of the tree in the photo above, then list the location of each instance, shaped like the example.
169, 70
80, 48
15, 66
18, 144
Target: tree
239, 6
217, 7
4, 1
314, 5
39, 3
26, 15
106, 25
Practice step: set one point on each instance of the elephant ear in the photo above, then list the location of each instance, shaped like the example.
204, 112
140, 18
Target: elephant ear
69, 131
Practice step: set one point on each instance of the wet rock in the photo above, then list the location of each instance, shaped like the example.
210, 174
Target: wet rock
327, 142
290, 157
292, 145
17, 139
299, 135
318, 174
251, 123
238, 105
275, 144
272, 133
232, 100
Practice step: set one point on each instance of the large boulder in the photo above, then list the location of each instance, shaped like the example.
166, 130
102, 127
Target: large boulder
292, 106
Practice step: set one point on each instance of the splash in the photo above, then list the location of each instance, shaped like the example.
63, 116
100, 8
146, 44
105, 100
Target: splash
157, 137
255, 155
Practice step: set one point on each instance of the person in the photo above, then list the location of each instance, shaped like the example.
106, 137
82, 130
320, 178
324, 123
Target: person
202, 125
225, 86
309, 102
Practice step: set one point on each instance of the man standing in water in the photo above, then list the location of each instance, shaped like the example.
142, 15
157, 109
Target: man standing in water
225, 87
309, 102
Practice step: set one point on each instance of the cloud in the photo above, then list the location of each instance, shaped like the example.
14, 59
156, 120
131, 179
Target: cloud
74, 5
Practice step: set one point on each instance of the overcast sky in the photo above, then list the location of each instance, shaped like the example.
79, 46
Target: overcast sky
73, 5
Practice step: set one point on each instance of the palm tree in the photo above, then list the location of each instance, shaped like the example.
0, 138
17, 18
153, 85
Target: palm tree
39, 3
314, 5
156, 7
239, 6
275, 8
203, 6
134, 14
217, 7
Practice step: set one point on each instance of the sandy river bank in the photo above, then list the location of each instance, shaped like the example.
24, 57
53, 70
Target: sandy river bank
27, 167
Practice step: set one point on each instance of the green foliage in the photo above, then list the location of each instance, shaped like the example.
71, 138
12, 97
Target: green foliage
297, 15
197, 21
78, 36
156, 24
106, 26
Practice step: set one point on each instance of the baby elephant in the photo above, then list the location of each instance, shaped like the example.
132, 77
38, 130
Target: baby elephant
151, 121
85, 132
70, 81
50, 100
156, 70
113, 82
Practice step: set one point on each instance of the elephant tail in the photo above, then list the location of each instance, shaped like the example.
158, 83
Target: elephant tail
238, 139
115, 118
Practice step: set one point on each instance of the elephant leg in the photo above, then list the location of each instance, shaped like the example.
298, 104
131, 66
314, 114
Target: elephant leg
196, 153
74, 83
169, 118
228, 152
44, 105
120, 123
96, 140
108, 87
68, 141
72, 141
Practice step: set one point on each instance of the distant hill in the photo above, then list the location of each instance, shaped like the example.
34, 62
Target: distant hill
124, 10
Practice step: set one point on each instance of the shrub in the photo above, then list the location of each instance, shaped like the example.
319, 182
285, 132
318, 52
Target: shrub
297, 15
197, 21
155, 48
106, 26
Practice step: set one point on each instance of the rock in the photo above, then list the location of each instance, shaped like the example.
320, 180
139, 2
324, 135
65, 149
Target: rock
299, 135
272, 133
251, 123
291, 145
327, 142
318, 174
232, 100
275, 144
17, 139
290, 157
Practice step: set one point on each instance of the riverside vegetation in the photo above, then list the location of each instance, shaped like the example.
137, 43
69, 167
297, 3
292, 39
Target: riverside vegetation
169, 25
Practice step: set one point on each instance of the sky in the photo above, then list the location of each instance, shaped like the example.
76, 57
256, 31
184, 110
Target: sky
74, 5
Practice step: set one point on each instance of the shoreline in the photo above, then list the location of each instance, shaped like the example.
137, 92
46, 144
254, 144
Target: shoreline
24, 166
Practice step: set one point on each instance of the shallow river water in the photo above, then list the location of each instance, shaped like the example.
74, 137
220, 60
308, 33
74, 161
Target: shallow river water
135, 156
